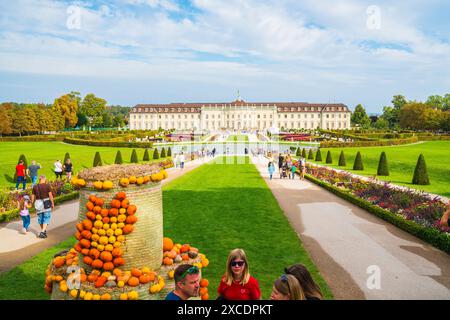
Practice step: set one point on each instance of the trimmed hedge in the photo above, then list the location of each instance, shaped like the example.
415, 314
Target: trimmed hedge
118, 159
146, 156
310, 154
358, 165
378, 143
342, 162
163, 153
97, 160
420, 172
434, 237
318, 155
329, 158
383, 169
117, 144
13, 214
169, 152
134, 157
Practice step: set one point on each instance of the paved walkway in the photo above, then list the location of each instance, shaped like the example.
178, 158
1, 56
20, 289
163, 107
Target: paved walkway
16, 248
344, 240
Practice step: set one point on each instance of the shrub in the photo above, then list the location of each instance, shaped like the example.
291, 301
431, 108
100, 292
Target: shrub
163, 153
146, 156
304, 153
329, 159
318, 155
66, 156
134, 158
298, 153
342, 162
420, 172
383, 169
156, 154
310, 154
169, 152
118, 158
358, 165
97, 160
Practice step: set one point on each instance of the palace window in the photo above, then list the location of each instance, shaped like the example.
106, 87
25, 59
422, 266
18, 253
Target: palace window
285, 116
292, 116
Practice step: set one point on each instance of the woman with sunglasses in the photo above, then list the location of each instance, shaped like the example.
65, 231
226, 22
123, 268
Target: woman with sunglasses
287, 288
310, 288
237, 283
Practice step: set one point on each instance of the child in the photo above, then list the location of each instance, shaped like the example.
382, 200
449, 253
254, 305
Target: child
271, 169
24, 204
293, 169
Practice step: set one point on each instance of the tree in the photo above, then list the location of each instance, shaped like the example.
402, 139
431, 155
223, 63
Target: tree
97, 160
5, 121
118, 121
66, 156
163, 153
329, 158
31, 124
146, 156
381, 123
93, 107
360, 117
383, 169
304, 153
118, 159
67, 106
134, 157
107, 120
358, 165
342, 162
169, 152
19, 121
392, 116
420, 172
298, 153
318, 155
44, 119
156, 154
310, 154
412, 116
436, 101
398, 101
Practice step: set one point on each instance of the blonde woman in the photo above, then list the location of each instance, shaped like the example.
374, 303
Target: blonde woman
287, 287
237, 283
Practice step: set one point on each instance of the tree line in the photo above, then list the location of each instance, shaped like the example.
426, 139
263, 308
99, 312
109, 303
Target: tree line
67, 111
433, 114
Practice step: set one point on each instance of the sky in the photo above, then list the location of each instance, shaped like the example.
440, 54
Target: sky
163, 51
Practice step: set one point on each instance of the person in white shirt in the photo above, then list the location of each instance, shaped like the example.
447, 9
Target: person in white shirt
58, 169
181, 157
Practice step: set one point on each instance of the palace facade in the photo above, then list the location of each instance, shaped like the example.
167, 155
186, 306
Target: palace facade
239, 115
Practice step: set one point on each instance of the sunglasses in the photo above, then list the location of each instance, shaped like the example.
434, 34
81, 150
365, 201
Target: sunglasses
237, 263
191, 270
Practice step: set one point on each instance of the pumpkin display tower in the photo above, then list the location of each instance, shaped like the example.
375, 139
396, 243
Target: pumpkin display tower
121, 252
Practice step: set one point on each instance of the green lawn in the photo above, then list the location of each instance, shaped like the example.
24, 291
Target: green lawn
235, 137
402, 161
216, 208
46, 153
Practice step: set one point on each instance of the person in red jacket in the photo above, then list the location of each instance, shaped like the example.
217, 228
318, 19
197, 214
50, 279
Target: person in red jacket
237, 283
21, 175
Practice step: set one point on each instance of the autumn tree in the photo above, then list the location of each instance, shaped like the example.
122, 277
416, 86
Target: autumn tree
67, 106
93, 107
5, 121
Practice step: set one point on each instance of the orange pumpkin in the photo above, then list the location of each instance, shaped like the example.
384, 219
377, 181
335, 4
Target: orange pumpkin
92, 277
185, 256
146, 179
117, 272
80, 227
205, 297
59, 261
113, 212
97, 209
131, 209
85, 251
105, 219
167, 244
97, 264
87, 260
203, 291
94, 253
144, 278
83, 277
77, 247
86, 234
136, 272
90, 215
167, 261
128, 228
92, 198
104, 212
133, 281
115, 204
100, 281
99, 202
108, 266
106, 256
78, 235
117, 252
121, 195
185, 248
204, 283
85, 243
131, 219
119, 262
132, 179
89, 206
125, 203
124, 182
87, 224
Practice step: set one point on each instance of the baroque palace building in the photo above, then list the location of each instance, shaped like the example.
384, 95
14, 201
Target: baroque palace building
239, 115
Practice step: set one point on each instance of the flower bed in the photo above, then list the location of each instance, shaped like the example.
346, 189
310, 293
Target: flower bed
413, 211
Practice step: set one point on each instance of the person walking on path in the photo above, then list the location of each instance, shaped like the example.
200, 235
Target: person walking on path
42, 198
237, 283
287, 287
68, 169
33, 172
23, 205
293, 170
271, 169
280, 162
182, 159
58, 169
302, 168
187, 282
310, 288
21, 175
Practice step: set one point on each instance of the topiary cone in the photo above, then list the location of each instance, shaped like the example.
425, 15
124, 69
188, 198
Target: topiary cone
318, 155
420, 172
329, 158
146, 156
156, 154
304, 153
298, 153
97, 160
342, 162
383, 169
118, 159
358, 165
134, 157
310, 154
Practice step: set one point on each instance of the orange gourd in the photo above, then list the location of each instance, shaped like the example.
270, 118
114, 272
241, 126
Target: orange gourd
90, 215
78, 235
108, 266
125, 203
133, 281
85, 243
131, 219
131, 209
94, 253
59, 262
86, 234
87, 224
136, 272
104, 212
167, 244
144, 278
97, 264
92, 198
87, 260
106, 256
100, 281
119, 262
121, 195
117, 252
79, 227
113, 212
89, 206
128, 228
85, 251
115, 204
99, 202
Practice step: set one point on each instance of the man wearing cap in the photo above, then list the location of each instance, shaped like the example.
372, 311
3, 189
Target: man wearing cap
187, 282
42, 199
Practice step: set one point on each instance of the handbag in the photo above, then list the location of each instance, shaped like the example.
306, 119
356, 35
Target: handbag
46, 203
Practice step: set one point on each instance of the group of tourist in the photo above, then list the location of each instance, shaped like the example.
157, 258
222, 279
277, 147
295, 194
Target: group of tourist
237, 284
286, 166
22, 172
